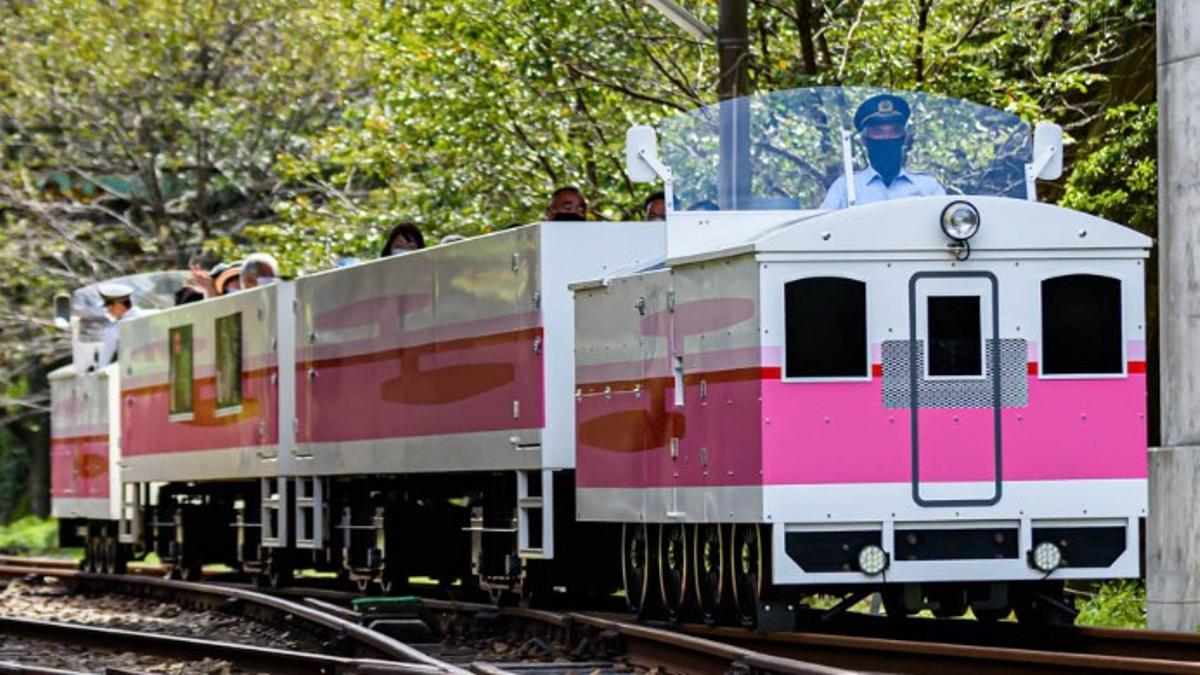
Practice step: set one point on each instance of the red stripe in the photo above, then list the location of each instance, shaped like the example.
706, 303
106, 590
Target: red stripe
771, 373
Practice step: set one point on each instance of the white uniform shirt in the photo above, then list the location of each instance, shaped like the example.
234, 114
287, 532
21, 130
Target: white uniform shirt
108, 349
869, 187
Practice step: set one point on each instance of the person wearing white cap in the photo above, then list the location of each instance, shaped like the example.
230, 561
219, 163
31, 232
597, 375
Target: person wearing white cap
118, 304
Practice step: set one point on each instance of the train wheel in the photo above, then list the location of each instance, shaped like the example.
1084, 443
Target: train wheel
635, 565
673, 568
120, 560
709, 571
108, 555
90, 547
747, 561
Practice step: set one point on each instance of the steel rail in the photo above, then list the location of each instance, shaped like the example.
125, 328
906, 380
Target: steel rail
655, 647
383, 644
178, 647
906, 656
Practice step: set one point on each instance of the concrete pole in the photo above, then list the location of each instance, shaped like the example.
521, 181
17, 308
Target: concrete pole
1173, 526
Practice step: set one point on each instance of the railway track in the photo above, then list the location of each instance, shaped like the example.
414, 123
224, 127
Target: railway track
859, 644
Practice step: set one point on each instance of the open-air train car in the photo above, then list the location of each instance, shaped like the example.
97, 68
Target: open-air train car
939, 397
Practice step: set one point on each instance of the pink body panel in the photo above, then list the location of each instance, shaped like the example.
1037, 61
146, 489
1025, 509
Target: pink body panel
1071, 429
146, 427
79, 467
840, 432
458, 385
624, 440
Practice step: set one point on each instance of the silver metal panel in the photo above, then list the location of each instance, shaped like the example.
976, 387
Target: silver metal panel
225, 463
94, 508
574, 252
731, 504
478, 451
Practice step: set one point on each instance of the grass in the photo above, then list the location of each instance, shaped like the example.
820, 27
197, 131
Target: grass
30, 535
1114, 604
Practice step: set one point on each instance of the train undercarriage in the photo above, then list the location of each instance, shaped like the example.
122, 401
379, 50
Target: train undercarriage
389, 534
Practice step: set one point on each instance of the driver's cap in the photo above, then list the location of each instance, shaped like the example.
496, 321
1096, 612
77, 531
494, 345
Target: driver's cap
879, 109
114, 291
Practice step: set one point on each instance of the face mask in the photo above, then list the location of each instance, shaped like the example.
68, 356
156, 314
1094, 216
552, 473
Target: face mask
886, 157
564, 217
266, 281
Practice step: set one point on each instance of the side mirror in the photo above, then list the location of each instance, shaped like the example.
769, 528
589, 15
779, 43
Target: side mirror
641, 155
1048, 150
62, 311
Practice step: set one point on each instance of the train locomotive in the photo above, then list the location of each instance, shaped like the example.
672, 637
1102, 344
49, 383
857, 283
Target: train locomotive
939, 398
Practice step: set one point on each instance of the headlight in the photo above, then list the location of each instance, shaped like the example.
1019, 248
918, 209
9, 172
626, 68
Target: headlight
872, 559
960, 221
1046, 556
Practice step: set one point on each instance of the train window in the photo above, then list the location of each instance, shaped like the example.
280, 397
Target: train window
179, 373
955, 336
1081, 325
825, 328
228, 330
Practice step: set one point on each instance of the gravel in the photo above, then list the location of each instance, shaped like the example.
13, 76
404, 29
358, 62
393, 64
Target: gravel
54, 603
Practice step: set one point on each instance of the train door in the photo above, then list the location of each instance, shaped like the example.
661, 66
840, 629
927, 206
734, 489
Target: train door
954, 388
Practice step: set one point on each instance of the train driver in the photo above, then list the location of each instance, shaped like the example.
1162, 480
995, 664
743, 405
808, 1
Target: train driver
118, 304
882, 124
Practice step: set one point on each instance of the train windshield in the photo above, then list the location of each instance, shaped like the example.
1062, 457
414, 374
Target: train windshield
153, 290
784, 150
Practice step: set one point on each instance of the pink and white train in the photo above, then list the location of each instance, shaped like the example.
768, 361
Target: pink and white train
939, 398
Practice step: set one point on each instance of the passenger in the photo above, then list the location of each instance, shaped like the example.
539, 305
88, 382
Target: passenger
259, 269
228, 280
188, 294
704, 205
655, 207
566, 203
403, 238
882, 123
118, 304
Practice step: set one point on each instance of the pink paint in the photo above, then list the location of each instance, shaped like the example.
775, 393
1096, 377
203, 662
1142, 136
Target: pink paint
437, 388
840, 433
717, 444
79, 467
1071, 429
147, 429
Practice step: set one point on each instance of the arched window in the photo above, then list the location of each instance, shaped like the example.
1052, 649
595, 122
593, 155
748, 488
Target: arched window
825, 328
1081, 325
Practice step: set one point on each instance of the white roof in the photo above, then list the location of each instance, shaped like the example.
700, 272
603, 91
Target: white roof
907, 227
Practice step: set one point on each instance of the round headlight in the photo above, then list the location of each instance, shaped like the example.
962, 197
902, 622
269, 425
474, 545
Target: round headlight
1047, 557
872, 559
960, 221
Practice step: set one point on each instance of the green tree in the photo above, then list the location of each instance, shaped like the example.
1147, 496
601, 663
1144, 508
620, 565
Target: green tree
135, 133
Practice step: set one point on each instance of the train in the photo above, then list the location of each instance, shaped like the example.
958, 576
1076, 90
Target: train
938, 398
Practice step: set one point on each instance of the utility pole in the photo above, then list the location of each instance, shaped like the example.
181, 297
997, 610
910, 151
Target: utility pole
1173, 526
733, 83
733, 45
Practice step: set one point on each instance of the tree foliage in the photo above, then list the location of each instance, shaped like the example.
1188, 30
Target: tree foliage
138, 133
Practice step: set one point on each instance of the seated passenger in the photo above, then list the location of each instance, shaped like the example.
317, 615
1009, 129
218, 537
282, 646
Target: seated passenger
118, 304
259, 269
403, 238
655, 207
228, 278
566, 203
882, 123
